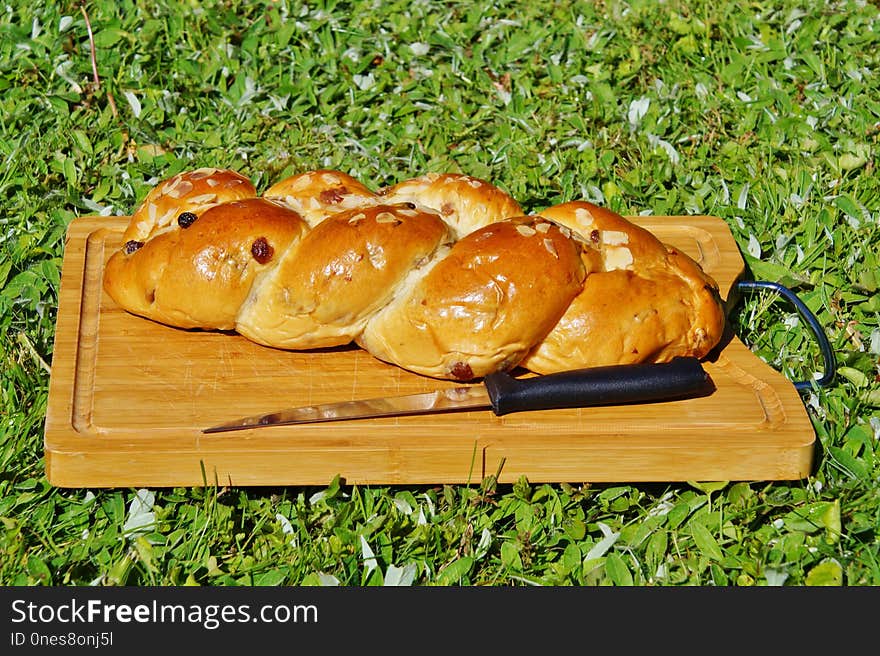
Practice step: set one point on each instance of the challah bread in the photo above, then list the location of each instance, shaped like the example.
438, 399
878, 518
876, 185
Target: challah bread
326, 287
317, 194
442, 275
188, 191
199, 274
644, 302
483, 305
463, 201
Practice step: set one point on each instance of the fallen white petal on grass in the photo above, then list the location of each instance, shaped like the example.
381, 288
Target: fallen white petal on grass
286, 527
369, 557
327, 580
666, 147
637, 110
141, 517
754, 246
364, 82
403, 506
774, 577
134, 103
400, 576
600, 548
742, 200
484, 543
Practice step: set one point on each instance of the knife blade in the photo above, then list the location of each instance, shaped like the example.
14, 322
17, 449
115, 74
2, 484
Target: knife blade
502, 393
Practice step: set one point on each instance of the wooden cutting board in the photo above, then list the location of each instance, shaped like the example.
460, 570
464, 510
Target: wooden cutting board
128, 399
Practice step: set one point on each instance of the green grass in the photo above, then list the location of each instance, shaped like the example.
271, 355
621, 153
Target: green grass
764, 114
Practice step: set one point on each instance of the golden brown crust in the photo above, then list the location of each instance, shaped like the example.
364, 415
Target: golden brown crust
318, 194
343, 271
441, 275
188, 191
479, 309
647, 302
465, 202
198, 277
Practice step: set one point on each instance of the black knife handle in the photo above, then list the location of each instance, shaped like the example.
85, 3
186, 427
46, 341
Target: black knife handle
613, 384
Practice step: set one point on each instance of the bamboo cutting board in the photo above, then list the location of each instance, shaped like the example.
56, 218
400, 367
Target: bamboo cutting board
128, 399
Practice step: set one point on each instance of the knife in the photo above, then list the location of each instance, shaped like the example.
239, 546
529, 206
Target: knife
502, 393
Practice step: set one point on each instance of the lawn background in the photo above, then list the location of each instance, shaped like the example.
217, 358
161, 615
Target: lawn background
764, 114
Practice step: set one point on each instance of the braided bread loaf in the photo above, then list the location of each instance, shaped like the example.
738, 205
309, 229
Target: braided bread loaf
442, 275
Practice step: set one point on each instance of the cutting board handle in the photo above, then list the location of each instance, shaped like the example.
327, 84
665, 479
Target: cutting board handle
830, 365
